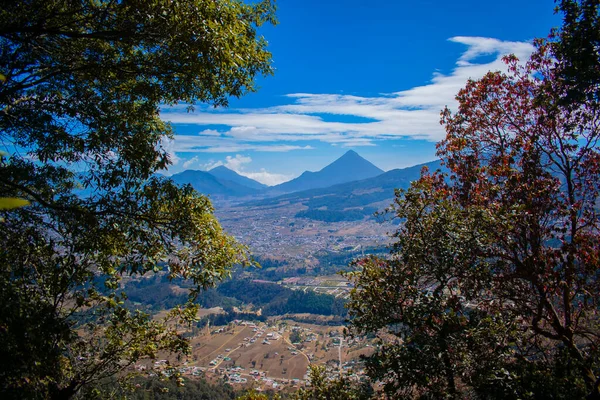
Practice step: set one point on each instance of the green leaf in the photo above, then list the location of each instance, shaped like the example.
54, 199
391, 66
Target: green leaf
9, 203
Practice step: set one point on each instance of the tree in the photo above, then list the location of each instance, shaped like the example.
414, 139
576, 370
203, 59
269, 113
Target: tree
295, 336
575, 47
535, 170
254, 395
501, 252
340, 388
424, 302
79, 114
9, 203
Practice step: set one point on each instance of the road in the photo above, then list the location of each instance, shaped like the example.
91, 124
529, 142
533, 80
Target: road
340, 355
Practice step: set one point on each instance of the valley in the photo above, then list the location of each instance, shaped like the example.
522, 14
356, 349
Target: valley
272, 355
274, 232
265, 326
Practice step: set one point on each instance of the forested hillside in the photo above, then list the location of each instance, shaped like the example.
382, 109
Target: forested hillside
160, 293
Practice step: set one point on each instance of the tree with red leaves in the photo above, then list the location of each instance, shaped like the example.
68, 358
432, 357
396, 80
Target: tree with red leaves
492, 287
516, 153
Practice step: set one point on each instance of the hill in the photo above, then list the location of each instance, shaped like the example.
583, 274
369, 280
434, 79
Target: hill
349, 167
207, 183
224, 173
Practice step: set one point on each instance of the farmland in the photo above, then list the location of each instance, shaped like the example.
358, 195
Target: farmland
272, 355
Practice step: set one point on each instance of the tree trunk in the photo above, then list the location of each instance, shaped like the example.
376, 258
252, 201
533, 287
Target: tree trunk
65, 393
448, 371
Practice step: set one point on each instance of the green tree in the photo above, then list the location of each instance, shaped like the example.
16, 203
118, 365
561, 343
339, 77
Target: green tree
340, 388
254, 395
9, 203
83, 82
575, 46
295, 336
424, 302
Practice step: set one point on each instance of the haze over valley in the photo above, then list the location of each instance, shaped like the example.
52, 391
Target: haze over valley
267, 324
325, 212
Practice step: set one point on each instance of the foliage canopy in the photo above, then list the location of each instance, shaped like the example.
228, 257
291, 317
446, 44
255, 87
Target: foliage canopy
83, 82
491, 288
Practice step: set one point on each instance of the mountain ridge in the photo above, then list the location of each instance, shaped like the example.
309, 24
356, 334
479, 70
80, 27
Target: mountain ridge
334, 202
208, 184
317, 190
349, 167
224, 173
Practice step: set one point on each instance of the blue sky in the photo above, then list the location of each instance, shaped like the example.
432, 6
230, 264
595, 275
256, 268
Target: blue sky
371, 76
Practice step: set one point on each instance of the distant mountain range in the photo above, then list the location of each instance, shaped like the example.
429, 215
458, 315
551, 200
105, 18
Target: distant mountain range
344, 189
351, 200
223, 182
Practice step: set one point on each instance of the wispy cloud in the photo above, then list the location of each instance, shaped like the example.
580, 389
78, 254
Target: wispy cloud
412, 113
268, 178
235, 163
189, 164
194, 144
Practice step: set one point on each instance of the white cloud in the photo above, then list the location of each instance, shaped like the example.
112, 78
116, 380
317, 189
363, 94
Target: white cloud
267, 178
237, 163
209, 132
196, 144
412, 113
212, 164
246, 147
190, 163
358, 142
478, 46
168, 145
